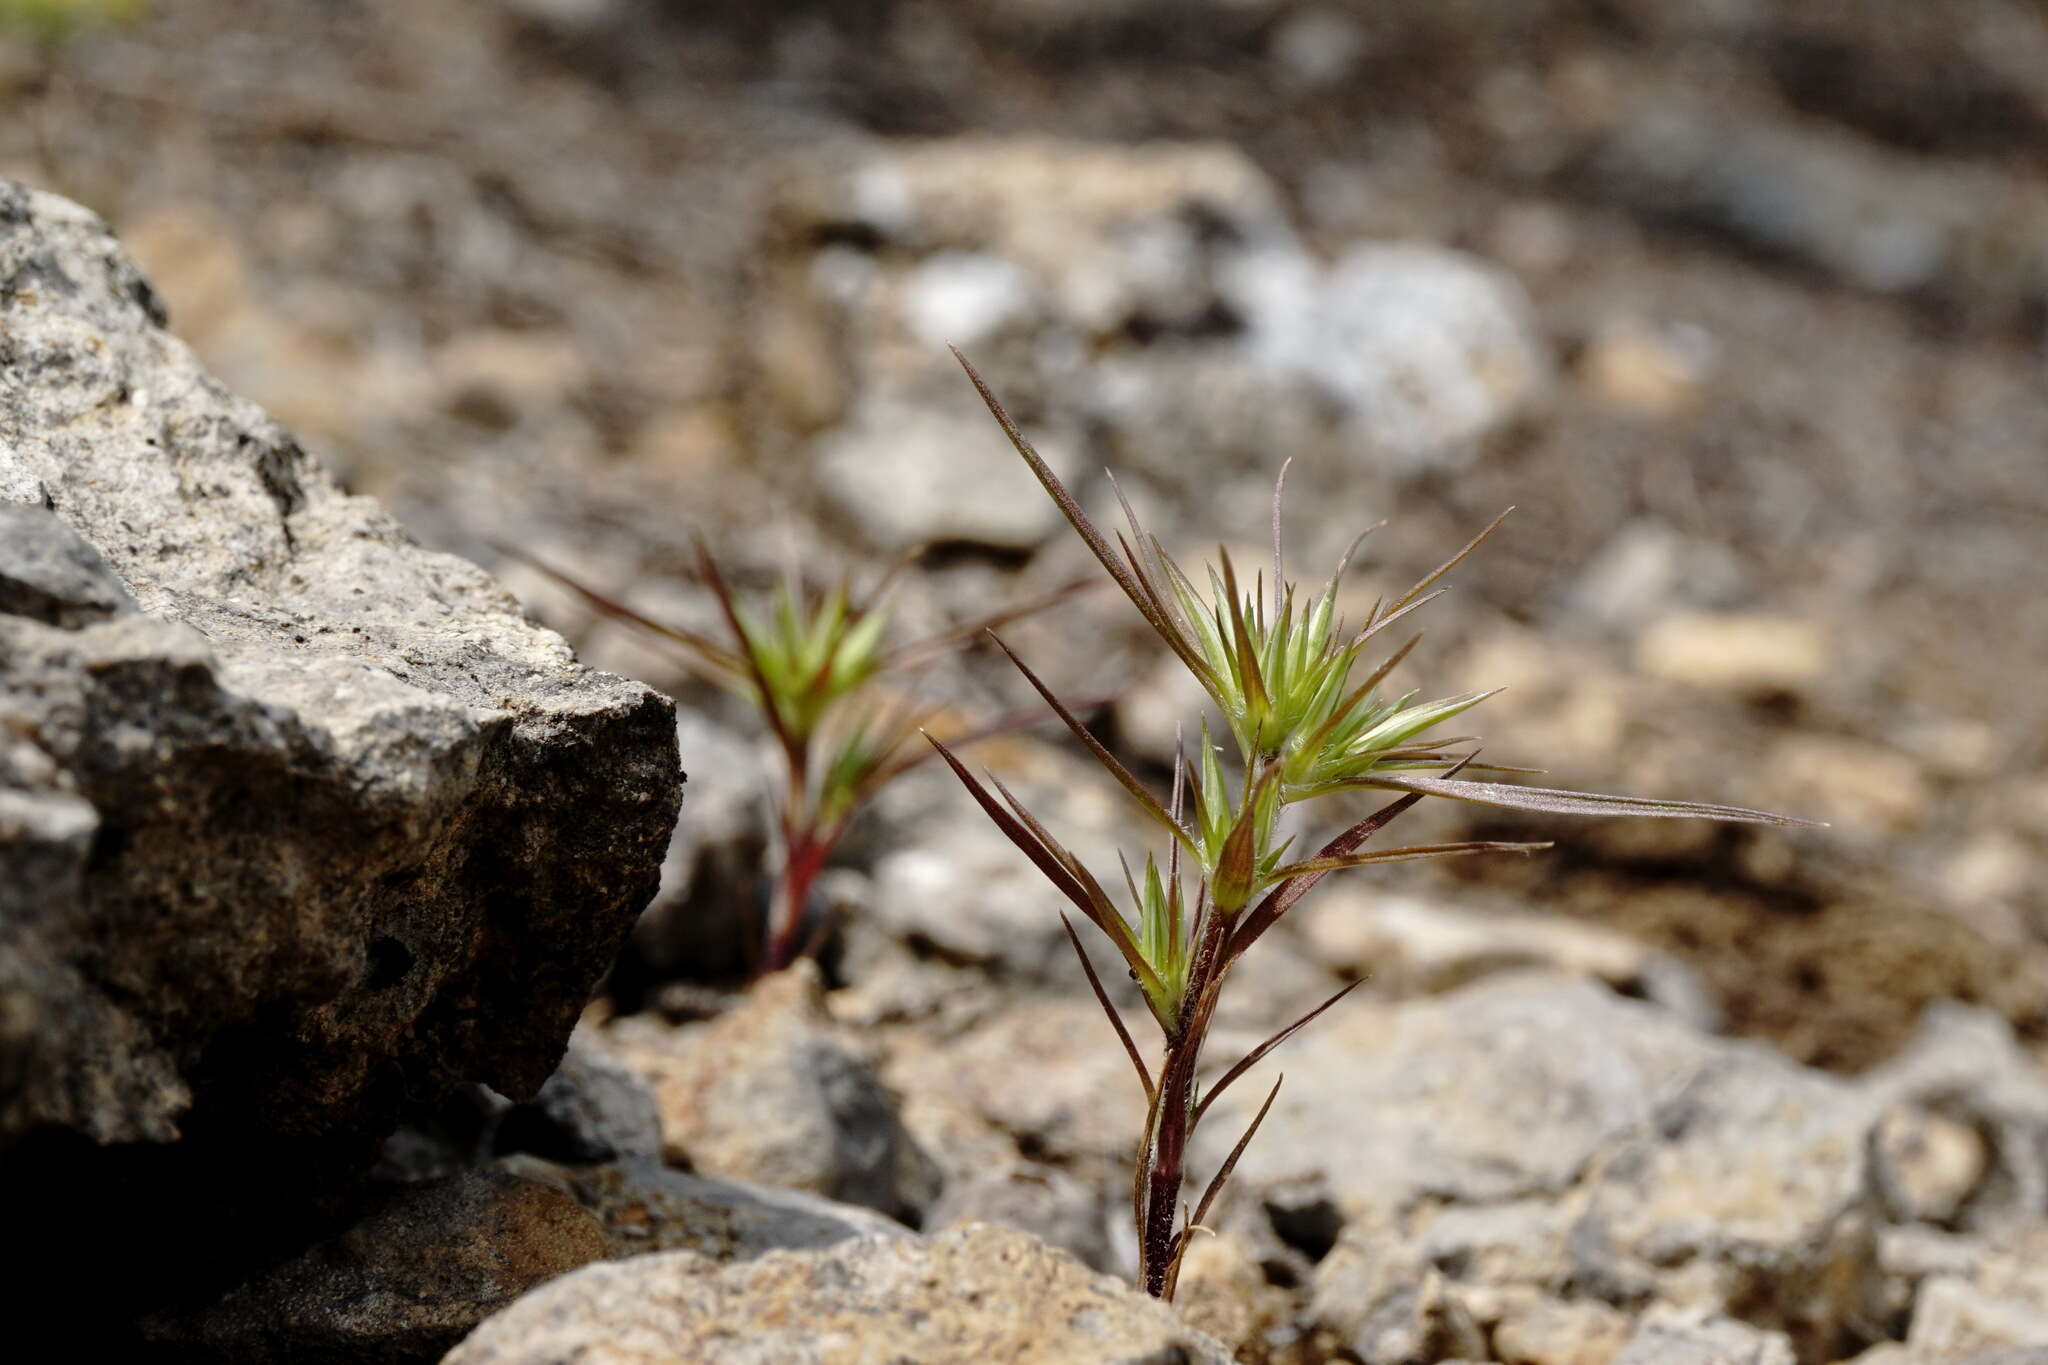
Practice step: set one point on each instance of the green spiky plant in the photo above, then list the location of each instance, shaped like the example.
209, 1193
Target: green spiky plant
817, 666
1279, 670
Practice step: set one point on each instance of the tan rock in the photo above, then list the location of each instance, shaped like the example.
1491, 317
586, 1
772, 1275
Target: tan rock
1529, 1129
1578, 699
1745, 653
1554, 1332
978, 1294
1648, 371
2001, 1301
1994, 865
1688, 1337
1927, 1164
1050, 1069
1865, 788
195, 261
1409, 945
1223, 1291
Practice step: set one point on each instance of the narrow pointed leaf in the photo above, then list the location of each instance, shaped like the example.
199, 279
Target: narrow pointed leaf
1403, 725
1404, 855
1247, 654
717, 654
1105, 915
1376, 623
1258, 1054
1453, 562
1344, 560
931, 646
901, 763
874, 595
1167, 621
1216, 1184
1555, 802
771, 703
1069, 506
1041, 857
1102, 755
1237, 867
1279, 566
1155, 571
1359, 693
1282, 898
1102, 998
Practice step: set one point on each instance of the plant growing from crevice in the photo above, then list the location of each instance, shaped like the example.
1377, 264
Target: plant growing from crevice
816, 665
1278, 667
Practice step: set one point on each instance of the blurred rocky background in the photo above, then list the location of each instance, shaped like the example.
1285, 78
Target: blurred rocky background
1741, 304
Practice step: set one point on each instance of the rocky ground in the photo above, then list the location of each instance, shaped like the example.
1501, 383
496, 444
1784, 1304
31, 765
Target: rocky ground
318, 843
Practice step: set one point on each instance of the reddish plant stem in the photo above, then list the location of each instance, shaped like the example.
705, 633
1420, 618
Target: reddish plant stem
1164, 1154
804, 858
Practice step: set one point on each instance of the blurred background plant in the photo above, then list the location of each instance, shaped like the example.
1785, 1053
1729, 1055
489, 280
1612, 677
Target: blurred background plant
815, 664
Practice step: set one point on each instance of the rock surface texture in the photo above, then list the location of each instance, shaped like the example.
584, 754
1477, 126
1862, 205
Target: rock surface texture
317, 823
1517, 1159
645, 1206
772, 1093
977, 1293
1160, 293
419, 1268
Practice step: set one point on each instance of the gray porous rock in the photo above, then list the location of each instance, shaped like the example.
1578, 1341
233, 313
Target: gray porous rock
976, 1293
1419, 945
772, 1092
303, 824
1435, 1158
594, 1108
49, 573
1035, 1198
1045, 1070
1965, 1069
1994, 1298
1895, 1353
1153, 300
1849, 208
1696, 1338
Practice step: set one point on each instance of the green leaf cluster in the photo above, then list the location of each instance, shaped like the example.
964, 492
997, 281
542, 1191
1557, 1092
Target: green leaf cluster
815, 664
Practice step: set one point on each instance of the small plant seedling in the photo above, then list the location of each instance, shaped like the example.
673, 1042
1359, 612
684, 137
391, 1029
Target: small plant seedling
1278, 668
814, 664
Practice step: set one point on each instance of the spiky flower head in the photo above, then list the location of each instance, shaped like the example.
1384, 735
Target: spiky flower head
1281, 669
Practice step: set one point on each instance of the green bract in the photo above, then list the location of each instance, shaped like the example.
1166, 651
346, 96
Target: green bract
808, 656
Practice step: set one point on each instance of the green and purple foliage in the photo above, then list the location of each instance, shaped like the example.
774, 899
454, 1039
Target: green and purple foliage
1278, 666
817, 666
